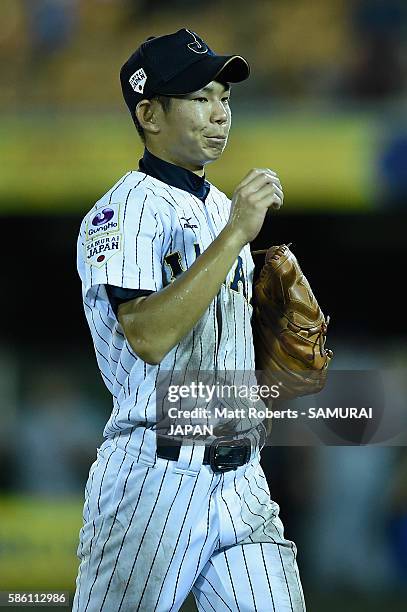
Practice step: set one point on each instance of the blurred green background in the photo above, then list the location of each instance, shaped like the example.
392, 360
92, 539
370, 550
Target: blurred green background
325, 108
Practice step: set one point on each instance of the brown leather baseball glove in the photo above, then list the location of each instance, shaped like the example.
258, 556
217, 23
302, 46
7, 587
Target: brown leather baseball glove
289, 328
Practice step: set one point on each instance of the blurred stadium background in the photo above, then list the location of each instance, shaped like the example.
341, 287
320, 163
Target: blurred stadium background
325, 108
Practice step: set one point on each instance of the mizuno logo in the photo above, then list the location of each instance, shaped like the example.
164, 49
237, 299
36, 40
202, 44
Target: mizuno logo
189, 225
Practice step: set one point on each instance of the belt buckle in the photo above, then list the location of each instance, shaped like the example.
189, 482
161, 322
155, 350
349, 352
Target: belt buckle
226, 454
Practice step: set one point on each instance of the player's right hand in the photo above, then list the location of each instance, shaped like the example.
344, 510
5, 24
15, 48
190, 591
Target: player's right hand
256, 193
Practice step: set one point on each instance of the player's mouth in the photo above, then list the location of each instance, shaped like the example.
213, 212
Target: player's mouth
216, 140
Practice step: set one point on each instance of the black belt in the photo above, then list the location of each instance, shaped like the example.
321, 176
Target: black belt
223, 454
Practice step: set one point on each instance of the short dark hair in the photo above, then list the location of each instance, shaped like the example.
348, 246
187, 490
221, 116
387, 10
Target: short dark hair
165, 102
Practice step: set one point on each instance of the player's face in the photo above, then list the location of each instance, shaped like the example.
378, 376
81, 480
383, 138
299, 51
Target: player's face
195, 128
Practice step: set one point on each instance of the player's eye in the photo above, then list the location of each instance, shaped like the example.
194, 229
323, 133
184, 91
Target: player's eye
200, 99
226, 99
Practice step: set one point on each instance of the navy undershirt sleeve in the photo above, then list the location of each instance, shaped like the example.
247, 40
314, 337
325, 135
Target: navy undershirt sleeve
119, 295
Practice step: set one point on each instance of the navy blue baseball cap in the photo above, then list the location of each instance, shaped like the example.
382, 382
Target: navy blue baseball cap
176, 64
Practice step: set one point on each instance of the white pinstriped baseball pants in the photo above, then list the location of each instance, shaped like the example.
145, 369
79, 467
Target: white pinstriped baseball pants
155, 529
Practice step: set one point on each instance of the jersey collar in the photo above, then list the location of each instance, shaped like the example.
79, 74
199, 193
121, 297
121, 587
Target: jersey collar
174, 175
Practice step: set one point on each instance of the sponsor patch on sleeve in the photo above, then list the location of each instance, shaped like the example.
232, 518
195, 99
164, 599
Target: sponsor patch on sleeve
103, 235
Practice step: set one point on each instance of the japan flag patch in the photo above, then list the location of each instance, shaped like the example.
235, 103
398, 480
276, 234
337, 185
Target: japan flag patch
103, 235
138, 80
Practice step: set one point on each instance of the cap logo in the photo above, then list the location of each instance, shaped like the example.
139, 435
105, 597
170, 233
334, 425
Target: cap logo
138, 80
196, 46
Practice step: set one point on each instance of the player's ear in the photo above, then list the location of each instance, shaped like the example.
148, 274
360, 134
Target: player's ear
147, 113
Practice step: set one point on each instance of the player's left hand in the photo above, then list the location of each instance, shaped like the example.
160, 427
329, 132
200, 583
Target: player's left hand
278, 199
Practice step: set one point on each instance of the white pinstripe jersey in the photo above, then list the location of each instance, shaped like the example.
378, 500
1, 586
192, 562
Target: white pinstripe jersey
140, 235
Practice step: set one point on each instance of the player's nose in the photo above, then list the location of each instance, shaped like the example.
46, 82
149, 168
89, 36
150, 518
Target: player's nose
219, 112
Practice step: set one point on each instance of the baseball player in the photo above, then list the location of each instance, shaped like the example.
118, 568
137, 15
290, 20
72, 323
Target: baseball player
166, 275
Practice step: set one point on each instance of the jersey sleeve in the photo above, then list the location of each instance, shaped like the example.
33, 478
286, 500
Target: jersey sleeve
118, 295
121, 244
